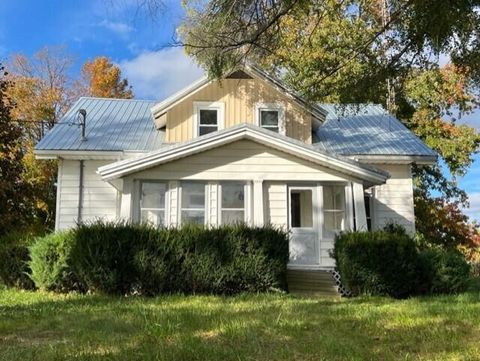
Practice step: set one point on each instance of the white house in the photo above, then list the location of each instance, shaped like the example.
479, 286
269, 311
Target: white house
241, 149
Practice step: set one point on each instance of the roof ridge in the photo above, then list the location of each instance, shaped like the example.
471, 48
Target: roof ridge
119, 99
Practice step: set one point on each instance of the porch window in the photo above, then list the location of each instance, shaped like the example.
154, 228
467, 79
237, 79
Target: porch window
301, 208
232, 202
152, 203
368, 199
192, 203
270, 116
209, 117
333, 210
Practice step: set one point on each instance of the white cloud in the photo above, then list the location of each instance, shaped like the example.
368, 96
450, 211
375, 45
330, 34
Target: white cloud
116, 26
474, 210
158, 74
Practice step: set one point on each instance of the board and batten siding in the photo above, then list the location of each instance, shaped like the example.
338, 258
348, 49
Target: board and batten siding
100, 199
393, 201
239, 97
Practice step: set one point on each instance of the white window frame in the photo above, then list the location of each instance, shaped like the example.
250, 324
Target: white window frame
246, 201
205, 206
334, 210
166, 210
218, 106
278, 107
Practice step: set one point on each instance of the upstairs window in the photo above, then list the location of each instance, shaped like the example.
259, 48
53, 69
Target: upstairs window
208, 117
271, 117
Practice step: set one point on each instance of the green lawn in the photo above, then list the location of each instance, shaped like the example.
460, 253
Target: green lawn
44, 326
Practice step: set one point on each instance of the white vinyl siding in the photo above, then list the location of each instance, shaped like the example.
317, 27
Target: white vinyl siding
393, 201
241, 160
100, 199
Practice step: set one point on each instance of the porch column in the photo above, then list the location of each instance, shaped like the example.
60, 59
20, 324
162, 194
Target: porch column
258, 214
359, 204
126, 200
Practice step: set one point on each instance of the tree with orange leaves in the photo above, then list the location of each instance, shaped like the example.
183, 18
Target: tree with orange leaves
102, 78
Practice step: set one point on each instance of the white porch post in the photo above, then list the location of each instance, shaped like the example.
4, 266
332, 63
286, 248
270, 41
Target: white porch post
126, 200
258, 214
359, 203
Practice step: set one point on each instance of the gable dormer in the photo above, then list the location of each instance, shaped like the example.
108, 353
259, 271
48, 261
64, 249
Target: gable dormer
244, 96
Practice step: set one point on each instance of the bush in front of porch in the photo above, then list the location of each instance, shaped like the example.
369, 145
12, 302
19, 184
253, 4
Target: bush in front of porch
388, 262
124, 258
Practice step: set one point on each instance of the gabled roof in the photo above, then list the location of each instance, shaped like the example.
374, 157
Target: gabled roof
368, 130
251, 70
249, 132
112, 125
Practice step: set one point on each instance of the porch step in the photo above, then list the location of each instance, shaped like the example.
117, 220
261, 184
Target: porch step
312, 283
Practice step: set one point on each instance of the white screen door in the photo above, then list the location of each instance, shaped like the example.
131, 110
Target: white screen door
304, 242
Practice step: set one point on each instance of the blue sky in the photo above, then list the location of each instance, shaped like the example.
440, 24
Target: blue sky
117, 29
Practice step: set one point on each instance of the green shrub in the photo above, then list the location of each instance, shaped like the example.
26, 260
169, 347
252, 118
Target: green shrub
379, 263
444, 271
50, 263
14, 257
125, 258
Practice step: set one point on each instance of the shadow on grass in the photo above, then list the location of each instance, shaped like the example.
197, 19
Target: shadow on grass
260, 327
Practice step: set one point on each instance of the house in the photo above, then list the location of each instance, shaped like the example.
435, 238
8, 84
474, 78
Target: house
245, 149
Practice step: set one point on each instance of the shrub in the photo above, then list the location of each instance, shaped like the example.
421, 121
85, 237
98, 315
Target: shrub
444, 271
124, 258
379, 263
50, 263
14, 256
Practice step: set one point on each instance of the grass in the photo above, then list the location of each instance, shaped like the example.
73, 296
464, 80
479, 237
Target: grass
46, 326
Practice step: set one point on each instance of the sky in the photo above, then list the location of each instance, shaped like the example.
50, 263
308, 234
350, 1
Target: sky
140, 45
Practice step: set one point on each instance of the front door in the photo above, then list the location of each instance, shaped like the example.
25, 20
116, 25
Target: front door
304, 238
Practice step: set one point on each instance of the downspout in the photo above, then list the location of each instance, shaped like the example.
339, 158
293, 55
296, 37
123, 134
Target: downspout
80, 194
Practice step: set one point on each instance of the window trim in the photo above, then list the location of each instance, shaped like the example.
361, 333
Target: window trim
180, 209
218, 106
278, 107
246, 194
166, 209
333, 210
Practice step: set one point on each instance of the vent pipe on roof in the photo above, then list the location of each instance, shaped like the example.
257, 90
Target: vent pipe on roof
82, 122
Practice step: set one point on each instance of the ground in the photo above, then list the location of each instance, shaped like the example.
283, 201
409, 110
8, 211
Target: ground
45, 326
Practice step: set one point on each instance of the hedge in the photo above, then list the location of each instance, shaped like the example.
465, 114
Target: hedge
125, 258
14, 257
388, 262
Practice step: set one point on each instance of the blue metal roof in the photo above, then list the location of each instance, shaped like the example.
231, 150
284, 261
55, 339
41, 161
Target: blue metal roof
366, 129
112, 125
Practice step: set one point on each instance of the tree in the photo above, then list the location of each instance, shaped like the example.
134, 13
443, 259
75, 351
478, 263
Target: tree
381, 51
41, 89
13, 189
102, 78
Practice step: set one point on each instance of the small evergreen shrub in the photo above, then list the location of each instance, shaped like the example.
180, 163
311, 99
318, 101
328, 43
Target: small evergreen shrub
444, 271
51, 263
14, 257
377, 263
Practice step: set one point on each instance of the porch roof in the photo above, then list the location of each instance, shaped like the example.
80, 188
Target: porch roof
168, 153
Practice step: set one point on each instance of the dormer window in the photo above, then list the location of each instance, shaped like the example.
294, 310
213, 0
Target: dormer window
271, 117
208, 117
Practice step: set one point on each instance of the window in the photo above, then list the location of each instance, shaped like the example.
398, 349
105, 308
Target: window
152, 203
333, 210
270, 116
301, 208
208, 116
193, 203
232, 202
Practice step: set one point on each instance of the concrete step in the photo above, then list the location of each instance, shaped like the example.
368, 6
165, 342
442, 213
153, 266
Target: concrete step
312, 283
